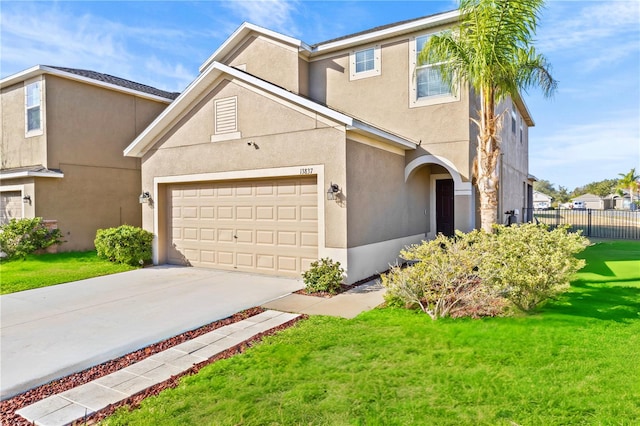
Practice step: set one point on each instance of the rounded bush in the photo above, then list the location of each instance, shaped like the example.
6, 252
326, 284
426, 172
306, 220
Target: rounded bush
21, 237
124, 244
325, 275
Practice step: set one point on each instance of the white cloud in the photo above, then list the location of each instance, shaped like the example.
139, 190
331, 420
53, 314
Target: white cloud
579, 154
49, 34
607, 29
276, 15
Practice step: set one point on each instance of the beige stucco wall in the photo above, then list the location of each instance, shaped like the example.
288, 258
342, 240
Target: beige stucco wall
271, 60
383, 100
17, 150
87, 128
381, 206
285, 136
515, 163
88, 199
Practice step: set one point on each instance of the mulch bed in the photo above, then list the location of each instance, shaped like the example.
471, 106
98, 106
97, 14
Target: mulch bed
10, 406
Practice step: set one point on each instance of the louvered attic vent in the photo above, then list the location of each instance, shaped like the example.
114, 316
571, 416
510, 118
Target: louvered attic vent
226, 119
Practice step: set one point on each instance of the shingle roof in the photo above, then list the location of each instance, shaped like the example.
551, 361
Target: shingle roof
380, 28
106, 78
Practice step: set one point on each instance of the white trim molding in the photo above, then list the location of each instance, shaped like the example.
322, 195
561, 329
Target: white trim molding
296, 171
377, 257
460, 187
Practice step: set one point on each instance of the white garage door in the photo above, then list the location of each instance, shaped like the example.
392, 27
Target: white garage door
10, 206
262, 226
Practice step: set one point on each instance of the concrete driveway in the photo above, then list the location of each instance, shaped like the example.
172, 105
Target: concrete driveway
52, 332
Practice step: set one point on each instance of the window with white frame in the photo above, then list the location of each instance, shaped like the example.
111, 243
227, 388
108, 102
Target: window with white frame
427, 85
365, 63
33, 107
428, 77
513, 121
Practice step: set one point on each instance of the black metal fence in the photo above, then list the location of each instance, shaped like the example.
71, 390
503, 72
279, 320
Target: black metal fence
614, 224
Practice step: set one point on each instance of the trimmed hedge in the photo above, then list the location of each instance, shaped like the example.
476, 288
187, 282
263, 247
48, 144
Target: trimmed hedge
124, 244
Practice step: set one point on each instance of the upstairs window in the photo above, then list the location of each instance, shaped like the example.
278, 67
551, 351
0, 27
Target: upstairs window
521, 130
426, 86
364, 63
428, 77
33, 107
513, 121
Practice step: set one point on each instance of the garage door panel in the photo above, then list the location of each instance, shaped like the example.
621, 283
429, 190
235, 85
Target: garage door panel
244, 213
267, 226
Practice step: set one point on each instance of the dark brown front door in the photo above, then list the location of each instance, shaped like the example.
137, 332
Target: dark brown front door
444, 206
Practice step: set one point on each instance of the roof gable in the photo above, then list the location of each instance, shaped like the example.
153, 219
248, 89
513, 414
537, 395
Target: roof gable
92, 77
162, 123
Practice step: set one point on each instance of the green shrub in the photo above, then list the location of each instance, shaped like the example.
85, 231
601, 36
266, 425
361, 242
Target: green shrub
442, 278
21, 237
530, 264
325, 275
124, 244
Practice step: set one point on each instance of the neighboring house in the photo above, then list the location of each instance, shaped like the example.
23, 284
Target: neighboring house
62, 135
591, 201
620, 202
541, 201
280, 153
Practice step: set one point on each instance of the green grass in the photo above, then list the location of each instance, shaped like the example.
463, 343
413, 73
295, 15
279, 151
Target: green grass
575, 362
50, 269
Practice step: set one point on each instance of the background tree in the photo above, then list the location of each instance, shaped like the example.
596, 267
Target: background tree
545, 187
628, 182
491, 50
601, 188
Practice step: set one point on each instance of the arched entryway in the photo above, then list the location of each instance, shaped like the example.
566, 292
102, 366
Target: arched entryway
451, 201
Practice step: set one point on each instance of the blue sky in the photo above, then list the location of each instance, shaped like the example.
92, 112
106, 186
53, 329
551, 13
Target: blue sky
589, 131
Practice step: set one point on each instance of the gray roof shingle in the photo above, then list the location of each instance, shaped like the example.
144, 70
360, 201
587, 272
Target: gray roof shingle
372, 30
128, 84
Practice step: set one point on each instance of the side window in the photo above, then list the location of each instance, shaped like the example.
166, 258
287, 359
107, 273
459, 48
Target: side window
364, 63
33, 107
513, 121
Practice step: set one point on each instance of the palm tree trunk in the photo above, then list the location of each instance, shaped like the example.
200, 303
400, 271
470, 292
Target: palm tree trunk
488, 153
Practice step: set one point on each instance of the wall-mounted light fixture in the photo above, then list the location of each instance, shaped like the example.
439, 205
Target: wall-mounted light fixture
333, 190
253, 144
145, 197
26, 199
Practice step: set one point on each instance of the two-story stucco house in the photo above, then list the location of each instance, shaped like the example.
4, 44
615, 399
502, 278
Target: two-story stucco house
280, 153
62, 135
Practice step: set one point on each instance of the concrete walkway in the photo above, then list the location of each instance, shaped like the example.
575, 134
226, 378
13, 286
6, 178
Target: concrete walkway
73, 405
77, 403
55, 331
346, 305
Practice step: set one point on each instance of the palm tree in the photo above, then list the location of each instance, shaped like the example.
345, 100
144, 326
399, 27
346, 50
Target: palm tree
628, 181
491, 50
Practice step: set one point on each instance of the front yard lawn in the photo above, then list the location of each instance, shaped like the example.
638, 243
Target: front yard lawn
49, 269
577, 361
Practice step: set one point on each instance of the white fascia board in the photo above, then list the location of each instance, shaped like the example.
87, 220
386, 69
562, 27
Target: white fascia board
27, 173
360, 127
285, 94
22, 76
524, 110
431, 21
41, 69
137, 148
239, 35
